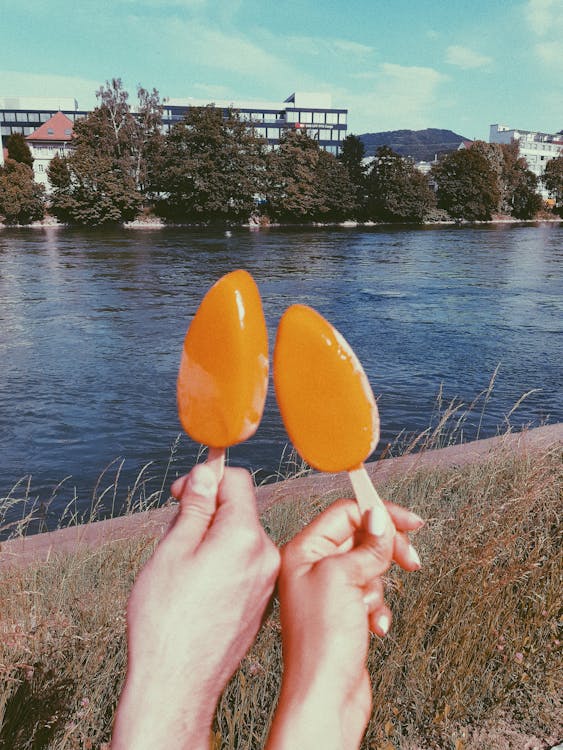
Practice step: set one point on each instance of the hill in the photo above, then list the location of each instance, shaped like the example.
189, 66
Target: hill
421, 145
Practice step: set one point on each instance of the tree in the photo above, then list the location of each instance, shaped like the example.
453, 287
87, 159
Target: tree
553, 181
292, 190
517, 185
397, 191
525, 200
351, 156
467, 185
101, 181
335, 191
18, 149
211, 169
21, 198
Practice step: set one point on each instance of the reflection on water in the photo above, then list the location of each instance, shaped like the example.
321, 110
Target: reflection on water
91, 326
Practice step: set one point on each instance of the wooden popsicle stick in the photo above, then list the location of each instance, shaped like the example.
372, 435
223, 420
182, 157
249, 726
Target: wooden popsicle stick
366, 494
216, 461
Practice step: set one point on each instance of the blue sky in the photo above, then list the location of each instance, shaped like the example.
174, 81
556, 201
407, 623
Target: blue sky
393, 64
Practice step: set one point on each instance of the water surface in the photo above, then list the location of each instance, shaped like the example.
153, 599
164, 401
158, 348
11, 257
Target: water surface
92, 323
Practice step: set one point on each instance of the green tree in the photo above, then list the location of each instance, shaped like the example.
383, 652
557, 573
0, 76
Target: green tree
101, 181
517, 184
467, 185
211, 169
525, 199
351, 155
18, 149
336, 199
21, 198
553, 181
397, 191
292, 190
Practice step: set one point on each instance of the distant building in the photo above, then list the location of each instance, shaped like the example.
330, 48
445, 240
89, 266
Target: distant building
313, 111
53, 138
537, 148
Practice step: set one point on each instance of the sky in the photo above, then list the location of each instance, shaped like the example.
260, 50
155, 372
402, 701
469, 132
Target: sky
393, 64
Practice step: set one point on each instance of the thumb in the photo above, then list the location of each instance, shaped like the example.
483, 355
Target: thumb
197, 494
373, 555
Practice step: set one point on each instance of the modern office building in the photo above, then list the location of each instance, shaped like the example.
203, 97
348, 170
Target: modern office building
537, 148
311, 111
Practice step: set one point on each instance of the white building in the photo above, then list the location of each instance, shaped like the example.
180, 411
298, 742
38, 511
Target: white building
53, 138
537, 148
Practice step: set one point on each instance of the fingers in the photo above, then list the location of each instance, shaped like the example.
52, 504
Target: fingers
404, 520
331, 532
380, 620
405, 554
197, 493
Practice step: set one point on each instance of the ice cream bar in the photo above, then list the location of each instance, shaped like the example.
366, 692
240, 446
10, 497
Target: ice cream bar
223, 375
324, 396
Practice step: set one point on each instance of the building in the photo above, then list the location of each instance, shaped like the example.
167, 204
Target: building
52, 138
537, 148
312, 111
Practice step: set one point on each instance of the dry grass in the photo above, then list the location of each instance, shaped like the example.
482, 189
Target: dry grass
472, 661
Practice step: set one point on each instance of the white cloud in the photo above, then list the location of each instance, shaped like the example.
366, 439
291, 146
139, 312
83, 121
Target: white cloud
16, 83
466, 58
545, 18
401, 97
539, 14
315, 46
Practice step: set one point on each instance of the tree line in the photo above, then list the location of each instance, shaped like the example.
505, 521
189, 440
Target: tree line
210, 168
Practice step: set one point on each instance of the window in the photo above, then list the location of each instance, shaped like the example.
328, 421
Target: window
319, 117
50, 131
40, 167
274, 133
306, 117
44, 116
10, 116
342, 118
68, 131
292, 117
21, 116
332, 118
5, 130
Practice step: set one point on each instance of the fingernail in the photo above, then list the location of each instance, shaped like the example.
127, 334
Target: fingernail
418, 520
202, 481
371, 598
377, 520
413, 556
383, 623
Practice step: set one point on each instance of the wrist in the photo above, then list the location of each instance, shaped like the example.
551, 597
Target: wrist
144, 721
307, 718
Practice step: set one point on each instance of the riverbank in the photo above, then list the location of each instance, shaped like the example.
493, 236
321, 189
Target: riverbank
151, 524
154, 222
473, 658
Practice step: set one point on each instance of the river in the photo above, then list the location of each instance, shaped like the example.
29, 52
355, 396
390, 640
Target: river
92, 324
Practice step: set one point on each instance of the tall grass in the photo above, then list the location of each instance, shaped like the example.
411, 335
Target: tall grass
472, 660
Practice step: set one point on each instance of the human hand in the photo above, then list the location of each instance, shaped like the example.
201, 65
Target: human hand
331, 595
194, 611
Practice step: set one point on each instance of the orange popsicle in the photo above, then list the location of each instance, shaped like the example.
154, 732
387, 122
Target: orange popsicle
223, 375
325, 399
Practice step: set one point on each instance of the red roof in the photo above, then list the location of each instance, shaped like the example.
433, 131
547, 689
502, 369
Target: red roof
57, 128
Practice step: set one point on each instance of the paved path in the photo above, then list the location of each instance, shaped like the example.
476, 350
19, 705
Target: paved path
152, 523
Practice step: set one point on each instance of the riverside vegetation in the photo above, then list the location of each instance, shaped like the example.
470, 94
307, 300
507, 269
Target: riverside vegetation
473, 659
214, 169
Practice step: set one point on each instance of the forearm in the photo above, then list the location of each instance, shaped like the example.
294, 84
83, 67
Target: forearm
146, 720
308, 719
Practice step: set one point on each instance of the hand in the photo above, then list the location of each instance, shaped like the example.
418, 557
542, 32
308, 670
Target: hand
193, 613
331, 594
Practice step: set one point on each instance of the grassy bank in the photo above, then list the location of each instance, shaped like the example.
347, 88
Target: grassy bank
472, 660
